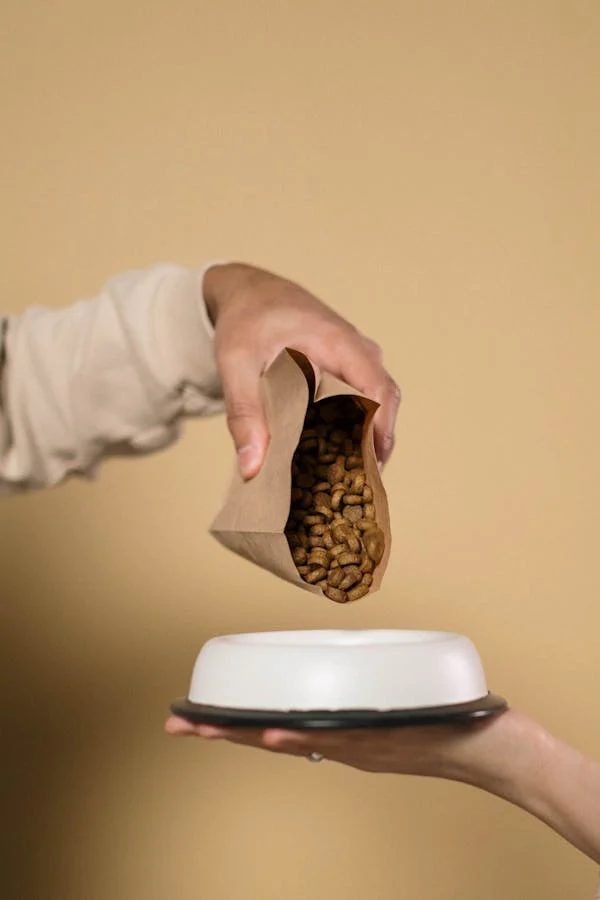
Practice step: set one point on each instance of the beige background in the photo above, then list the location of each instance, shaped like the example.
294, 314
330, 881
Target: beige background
431, 169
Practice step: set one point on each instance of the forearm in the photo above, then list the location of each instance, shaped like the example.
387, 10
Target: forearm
115, 373
566, 796
544, 776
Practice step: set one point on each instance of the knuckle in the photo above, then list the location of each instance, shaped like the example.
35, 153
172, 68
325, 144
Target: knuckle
240, 410
339, 330
374, 350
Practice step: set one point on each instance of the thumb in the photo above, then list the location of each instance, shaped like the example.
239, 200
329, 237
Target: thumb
245, 414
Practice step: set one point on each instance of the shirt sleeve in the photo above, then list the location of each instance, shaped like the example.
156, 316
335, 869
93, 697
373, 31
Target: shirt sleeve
113, 374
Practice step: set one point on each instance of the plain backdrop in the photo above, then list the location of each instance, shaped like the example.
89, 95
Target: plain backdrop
431, 170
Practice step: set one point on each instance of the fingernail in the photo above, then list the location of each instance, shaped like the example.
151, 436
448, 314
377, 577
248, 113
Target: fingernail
380, 465
249, 460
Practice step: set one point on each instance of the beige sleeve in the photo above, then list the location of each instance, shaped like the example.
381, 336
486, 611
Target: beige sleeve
114, 374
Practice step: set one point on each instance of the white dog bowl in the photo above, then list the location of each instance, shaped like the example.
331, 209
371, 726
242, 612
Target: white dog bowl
319, 677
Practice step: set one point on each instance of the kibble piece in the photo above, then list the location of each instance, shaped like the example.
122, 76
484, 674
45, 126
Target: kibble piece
335, 594
348, 559
352, 575
374, 540
338, 549
335, 473
366, 563
354, 462
353, 513
299, 555
328, 541
313, 520
335, 576
369, 511
316, 575
341, 532
354, 544
336, 497
357, 592
358, 484
365, 524
318, 557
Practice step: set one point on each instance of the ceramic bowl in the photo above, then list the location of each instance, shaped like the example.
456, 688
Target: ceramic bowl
377, 670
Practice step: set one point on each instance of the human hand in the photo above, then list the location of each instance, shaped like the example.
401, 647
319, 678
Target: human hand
256, 315
491, 754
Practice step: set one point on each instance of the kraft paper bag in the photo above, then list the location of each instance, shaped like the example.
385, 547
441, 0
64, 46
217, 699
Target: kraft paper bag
253, 518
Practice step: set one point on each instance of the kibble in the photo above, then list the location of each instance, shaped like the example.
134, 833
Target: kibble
332, 528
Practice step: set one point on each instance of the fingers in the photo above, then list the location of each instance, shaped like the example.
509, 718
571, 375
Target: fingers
290, 743
240, 375
384, 422
276, 740
179, 727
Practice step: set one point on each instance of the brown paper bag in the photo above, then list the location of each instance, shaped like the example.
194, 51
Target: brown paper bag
253, 518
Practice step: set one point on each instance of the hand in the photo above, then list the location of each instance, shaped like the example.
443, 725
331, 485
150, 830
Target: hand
256, 315
506, 755
475, 753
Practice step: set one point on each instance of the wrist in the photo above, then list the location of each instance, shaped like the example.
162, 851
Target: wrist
510, 757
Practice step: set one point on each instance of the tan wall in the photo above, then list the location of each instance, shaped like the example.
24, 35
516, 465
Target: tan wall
431, 169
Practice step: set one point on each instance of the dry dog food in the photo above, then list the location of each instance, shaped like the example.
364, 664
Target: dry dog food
332, 528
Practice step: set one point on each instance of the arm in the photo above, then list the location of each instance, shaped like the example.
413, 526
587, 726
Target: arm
512, 757
114, 373
546, 778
